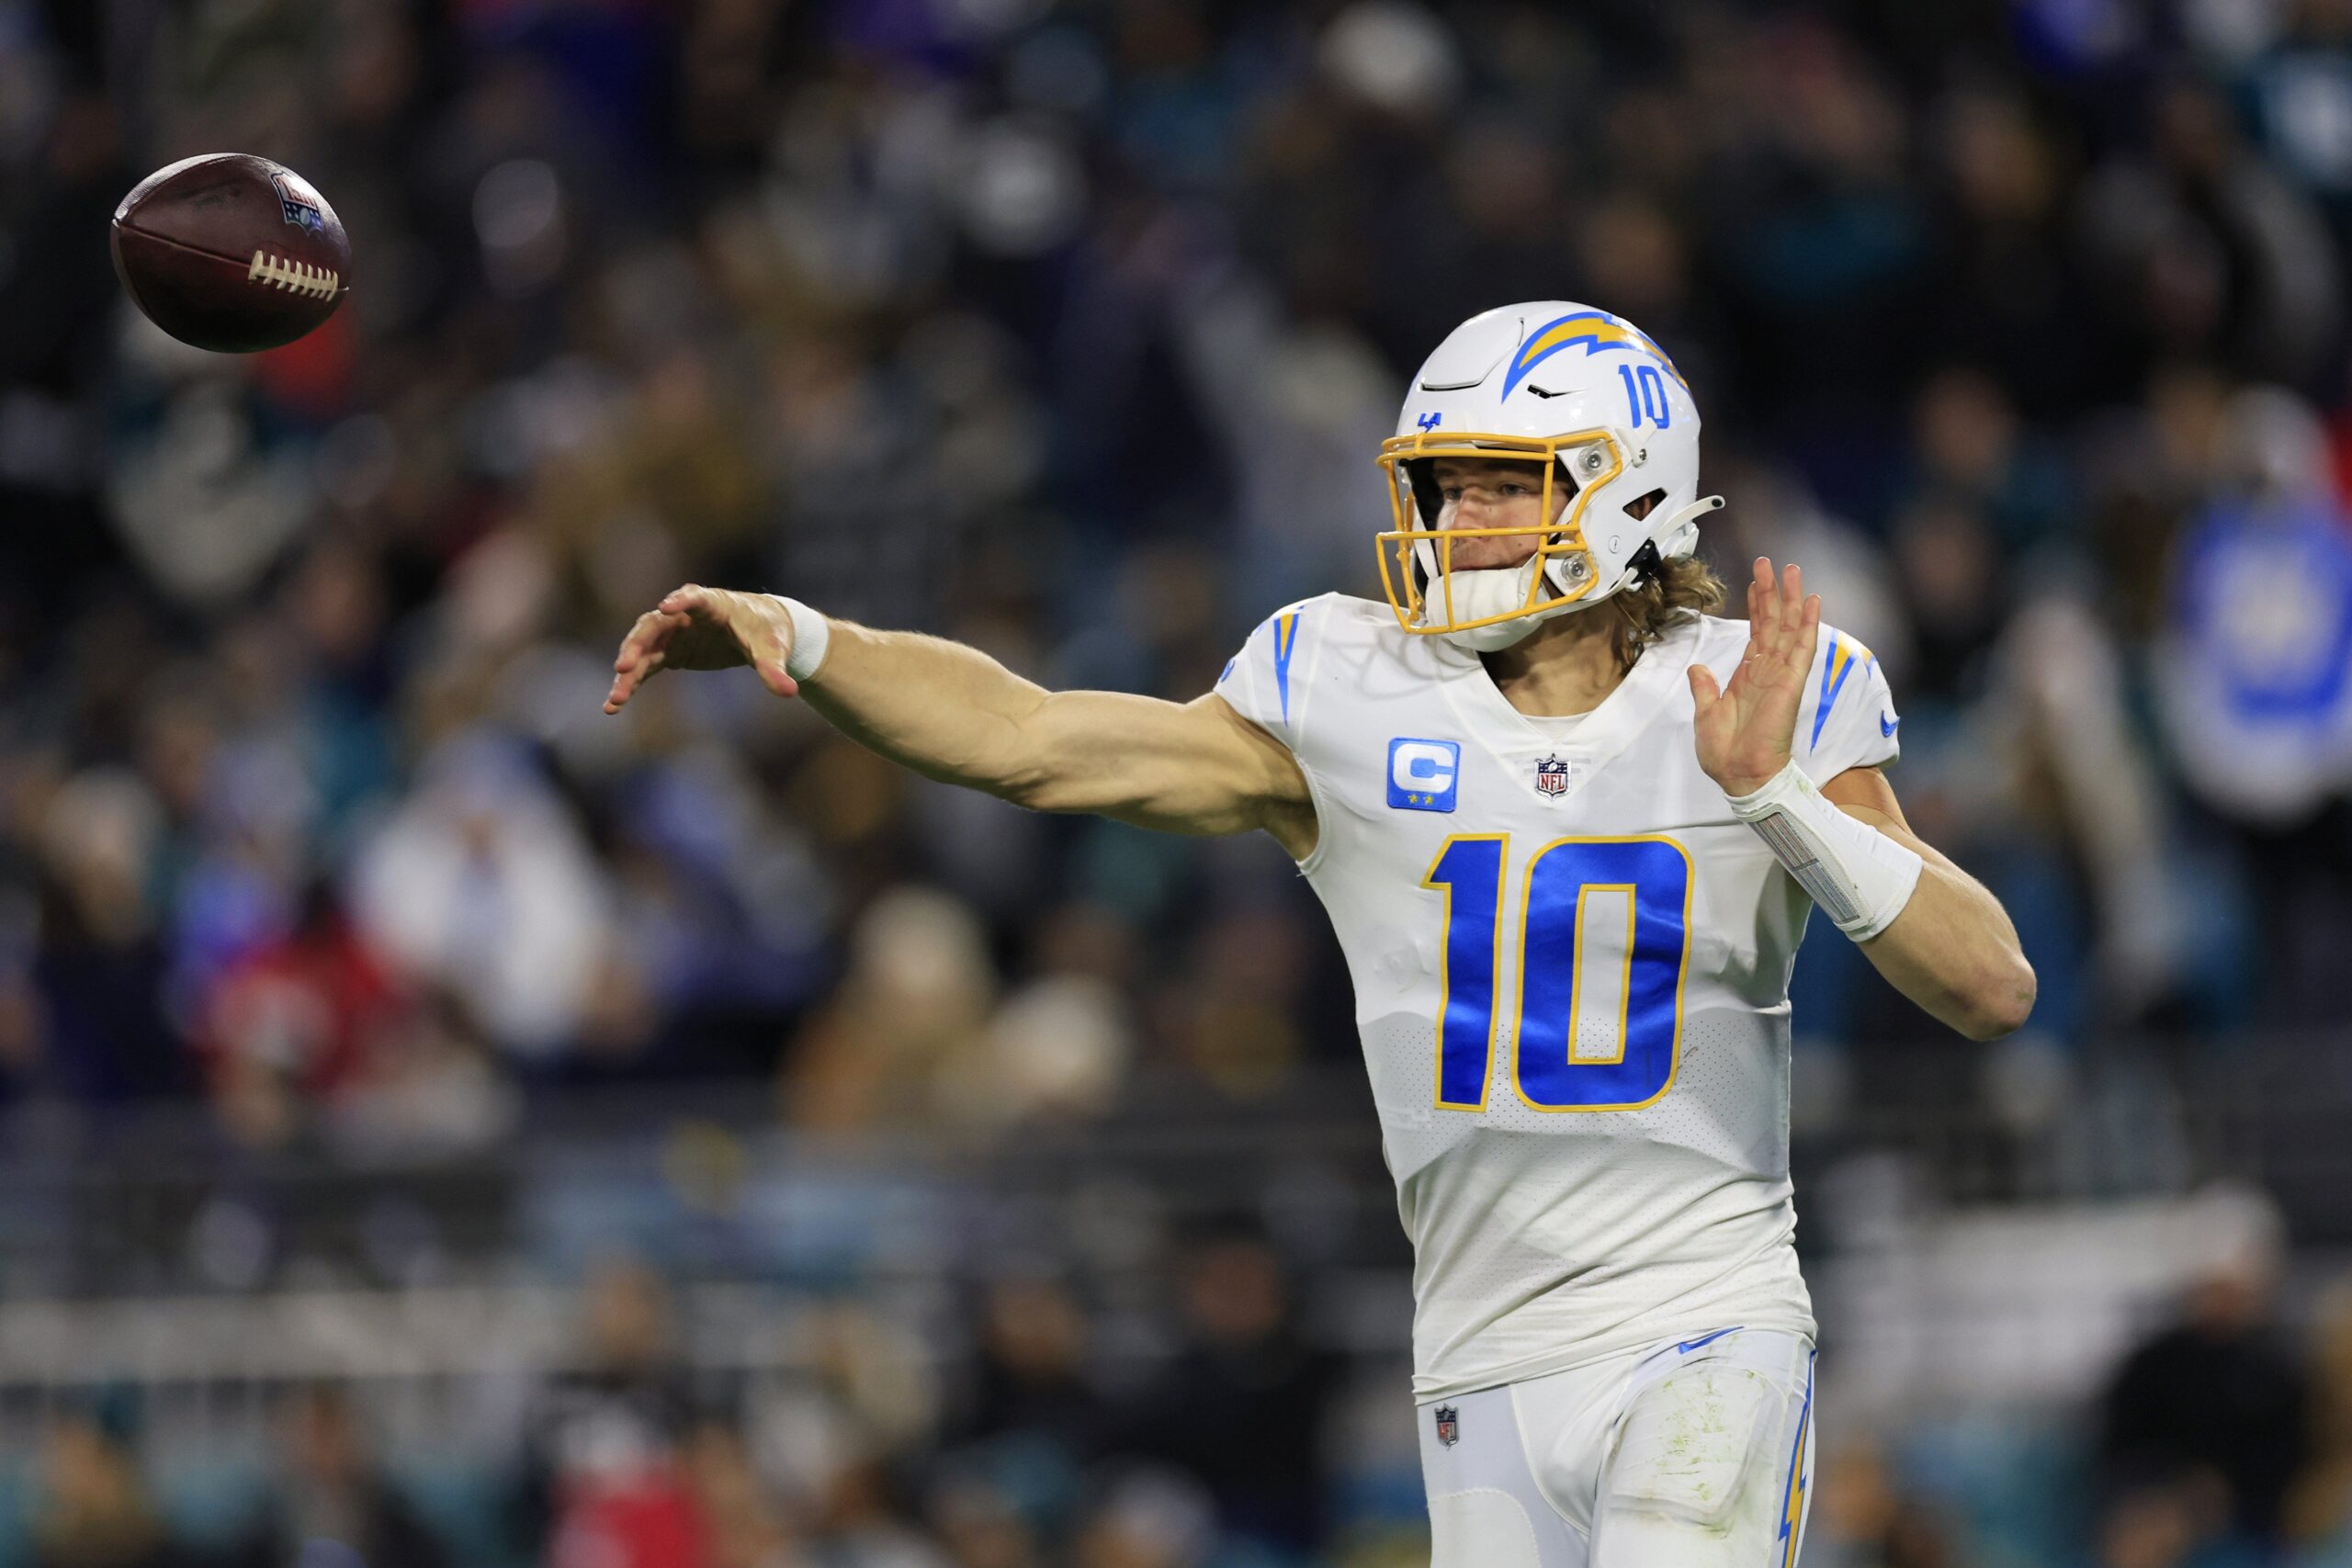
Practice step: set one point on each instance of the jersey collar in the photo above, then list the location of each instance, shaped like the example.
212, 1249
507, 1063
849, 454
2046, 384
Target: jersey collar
1656, 679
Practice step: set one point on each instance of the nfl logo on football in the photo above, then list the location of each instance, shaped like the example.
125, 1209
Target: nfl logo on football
1551, 776
297, 209
1448, 1424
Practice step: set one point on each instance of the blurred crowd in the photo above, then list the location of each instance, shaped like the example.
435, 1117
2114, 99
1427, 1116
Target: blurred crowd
2221, 1440
874, 1455
1068, 328
1030, 1456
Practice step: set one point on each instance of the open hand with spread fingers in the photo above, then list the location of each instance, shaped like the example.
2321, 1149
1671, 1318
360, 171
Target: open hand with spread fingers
706, 628
1746, 728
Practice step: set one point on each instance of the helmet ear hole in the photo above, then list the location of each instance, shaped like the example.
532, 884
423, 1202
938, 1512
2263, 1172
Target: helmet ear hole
1641, 506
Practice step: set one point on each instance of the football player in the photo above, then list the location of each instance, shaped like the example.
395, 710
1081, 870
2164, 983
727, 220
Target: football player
1568, 827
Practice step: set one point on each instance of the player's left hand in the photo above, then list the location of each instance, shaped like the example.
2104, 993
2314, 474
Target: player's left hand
1746, 728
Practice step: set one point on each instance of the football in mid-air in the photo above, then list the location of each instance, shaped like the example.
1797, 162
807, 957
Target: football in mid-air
231, 251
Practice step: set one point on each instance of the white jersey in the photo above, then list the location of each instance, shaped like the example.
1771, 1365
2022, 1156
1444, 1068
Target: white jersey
1571, 967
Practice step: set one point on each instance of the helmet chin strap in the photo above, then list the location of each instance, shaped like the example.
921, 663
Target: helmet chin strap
1495, 592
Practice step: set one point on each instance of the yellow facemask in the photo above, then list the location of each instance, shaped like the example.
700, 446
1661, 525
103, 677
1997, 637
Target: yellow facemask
1421, 590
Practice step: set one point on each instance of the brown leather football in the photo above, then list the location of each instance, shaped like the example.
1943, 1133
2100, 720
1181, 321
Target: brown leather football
231, 251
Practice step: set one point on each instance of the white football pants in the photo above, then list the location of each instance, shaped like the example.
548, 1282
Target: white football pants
1697, 1454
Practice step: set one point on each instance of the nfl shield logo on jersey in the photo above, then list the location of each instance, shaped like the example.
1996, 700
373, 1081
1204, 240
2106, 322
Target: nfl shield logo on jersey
1448, 1424
1551, 776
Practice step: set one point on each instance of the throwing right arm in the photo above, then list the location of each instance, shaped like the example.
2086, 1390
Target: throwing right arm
951, 711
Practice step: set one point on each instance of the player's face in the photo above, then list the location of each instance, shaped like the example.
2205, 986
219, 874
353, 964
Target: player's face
1494, 492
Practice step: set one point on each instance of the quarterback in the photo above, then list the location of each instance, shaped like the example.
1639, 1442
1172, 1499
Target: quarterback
1568, 827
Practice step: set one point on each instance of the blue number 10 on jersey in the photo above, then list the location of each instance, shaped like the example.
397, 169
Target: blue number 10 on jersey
1603, 928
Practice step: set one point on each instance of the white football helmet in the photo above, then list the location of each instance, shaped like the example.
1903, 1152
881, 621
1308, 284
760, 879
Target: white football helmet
1601, 408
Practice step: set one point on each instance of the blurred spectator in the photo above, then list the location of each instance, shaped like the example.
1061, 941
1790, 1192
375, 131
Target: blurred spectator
747, 1528
1030, 1378
432, 1090
2301, 87
482, 884
2164, 1526
2087, 779
1948, 558
917, 996
979, 1527
608, 1444
94, 1509
2255, 683
1242, 1406
2006, 299
333, 1502
1969, 448
1147, 1519
101, 965
1233, 1015
1057, 1049
1863, 1517
297, 1020
2207, 1425
2319, 1509
2198, 248
66, 164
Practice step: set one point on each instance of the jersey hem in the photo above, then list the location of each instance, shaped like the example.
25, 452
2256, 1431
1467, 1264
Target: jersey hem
1569, 1357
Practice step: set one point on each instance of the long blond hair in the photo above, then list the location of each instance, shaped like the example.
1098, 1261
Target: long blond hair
1672, 592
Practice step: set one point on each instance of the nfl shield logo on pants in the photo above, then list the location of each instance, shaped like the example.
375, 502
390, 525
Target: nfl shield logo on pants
1448, 1424
1551, 776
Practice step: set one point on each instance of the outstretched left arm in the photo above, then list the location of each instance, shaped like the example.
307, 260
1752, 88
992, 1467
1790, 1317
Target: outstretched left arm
1952, 950
1943, 939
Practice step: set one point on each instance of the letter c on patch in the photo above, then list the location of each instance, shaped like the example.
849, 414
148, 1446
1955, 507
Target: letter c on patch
1423, 775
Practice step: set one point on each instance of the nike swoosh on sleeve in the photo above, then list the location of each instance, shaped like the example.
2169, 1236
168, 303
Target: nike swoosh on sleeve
1886, 726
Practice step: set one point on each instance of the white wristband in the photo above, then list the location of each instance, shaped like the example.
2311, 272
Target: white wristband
811, 634
1860, 877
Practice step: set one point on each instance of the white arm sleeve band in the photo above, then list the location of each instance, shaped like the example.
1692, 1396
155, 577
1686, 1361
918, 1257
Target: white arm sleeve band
810, 632
1860, 877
